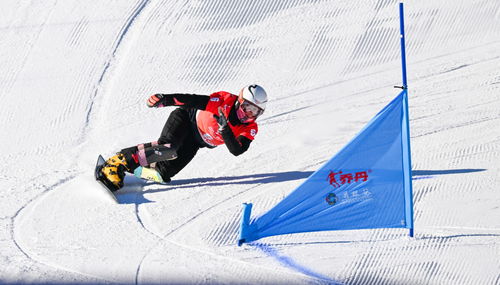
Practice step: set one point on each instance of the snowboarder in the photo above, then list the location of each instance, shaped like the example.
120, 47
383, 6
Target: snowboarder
199, 121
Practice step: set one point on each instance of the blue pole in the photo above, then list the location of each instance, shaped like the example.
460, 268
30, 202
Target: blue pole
244, 223
407, 160
403, 51
405, 87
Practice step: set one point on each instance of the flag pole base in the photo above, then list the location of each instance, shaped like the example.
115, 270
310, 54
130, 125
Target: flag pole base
244, 223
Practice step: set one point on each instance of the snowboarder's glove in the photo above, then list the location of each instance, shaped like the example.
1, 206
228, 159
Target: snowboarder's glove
221, 120
156, 101
163, 100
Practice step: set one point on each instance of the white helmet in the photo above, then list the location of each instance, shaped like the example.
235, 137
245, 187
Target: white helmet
254, 94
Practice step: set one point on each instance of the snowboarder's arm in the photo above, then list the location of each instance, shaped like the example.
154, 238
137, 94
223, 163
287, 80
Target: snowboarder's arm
185, 100
235, 145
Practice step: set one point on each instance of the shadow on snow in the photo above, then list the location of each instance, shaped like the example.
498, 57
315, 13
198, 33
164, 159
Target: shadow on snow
427, 174
131, 196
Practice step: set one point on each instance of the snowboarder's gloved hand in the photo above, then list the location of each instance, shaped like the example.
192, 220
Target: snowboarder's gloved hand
163, 100
156, 101
221, 120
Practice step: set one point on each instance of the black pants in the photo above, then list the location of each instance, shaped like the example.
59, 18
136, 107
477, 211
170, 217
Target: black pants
179, 131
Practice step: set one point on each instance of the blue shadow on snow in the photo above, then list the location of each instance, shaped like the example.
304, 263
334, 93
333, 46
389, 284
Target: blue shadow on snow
137, 196
234, 180
290, 263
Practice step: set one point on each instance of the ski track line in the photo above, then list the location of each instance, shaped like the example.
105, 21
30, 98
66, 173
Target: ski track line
456, 126
163, 238
32, 203
246, 263
121, 36
218, 256
13, 75
41, 149
381, 71
377, 264
228, 225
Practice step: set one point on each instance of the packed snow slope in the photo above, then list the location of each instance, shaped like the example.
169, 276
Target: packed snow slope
74, 79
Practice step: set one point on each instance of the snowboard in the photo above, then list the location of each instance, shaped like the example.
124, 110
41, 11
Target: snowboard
109, 187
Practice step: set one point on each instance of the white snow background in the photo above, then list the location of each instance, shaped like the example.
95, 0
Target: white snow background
74, 79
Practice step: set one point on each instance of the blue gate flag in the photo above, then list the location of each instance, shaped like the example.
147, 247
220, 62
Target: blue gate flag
364, 186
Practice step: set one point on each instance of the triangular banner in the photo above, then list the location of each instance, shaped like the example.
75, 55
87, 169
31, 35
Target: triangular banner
366, 185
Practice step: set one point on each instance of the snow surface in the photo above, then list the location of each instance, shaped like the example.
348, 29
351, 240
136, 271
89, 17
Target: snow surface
74, 79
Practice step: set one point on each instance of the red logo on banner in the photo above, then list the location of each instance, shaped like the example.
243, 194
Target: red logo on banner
336, 179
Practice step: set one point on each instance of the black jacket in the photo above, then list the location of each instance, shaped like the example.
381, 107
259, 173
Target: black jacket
192, 103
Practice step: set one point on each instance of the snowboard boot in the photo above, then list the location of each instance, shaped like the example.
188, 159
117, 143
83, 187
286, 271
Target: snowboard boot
114, 169
149, 173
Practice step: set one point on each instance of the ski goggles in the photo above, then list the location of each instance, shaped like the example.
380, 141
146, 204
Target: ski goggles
251, 111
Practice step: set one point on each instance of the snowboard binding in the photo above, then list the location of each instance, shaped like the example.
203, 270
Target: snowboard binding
101, 178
